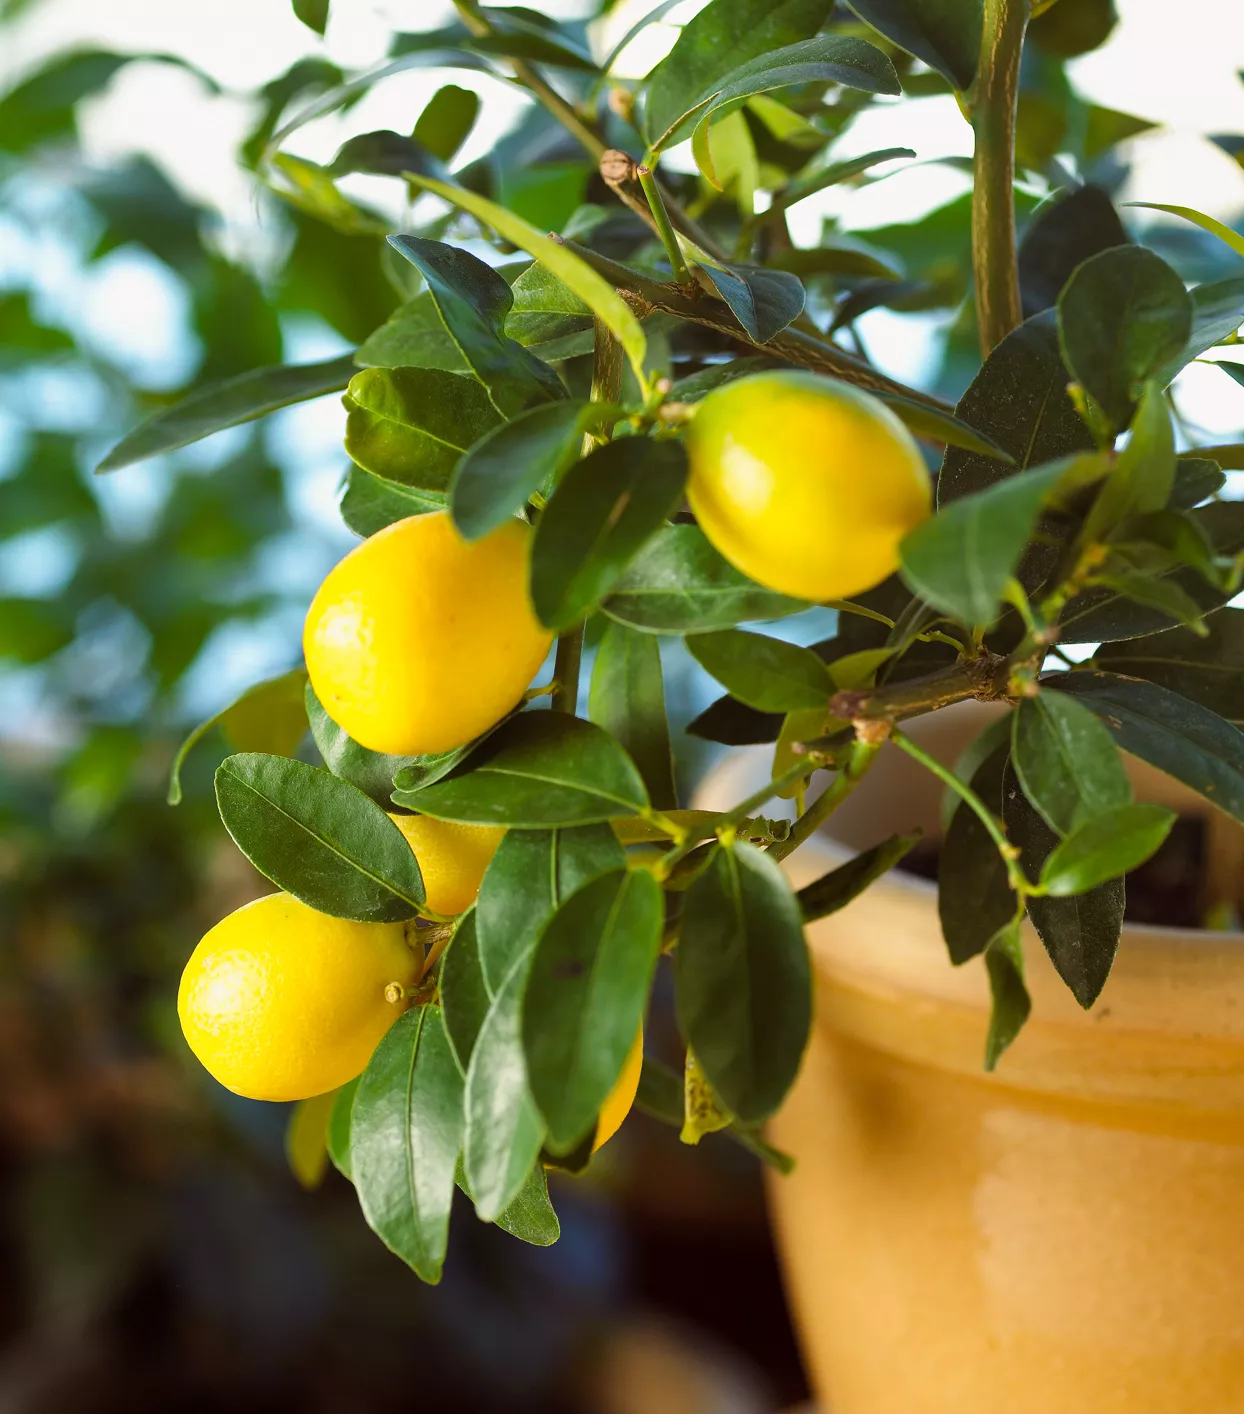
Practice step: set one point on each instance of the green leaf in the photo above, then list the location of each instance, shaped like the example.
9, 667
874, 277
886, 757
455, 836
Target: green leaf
313, 13
1105, 847
961, 559
1196, 480
539, 770
924, 420
818, 177
530, 1217
743, 980
627, 699
679, 584
1011, 1004
1198, 218
1066, 761
840, 886
383, 153
546, 312
604, 509
446, 122
586, 996
599, 296
370, 771
1019, 400
1063, 233
504, 1131
318, 838
1217, 313
500, 472
1081, 933
406, 1134
411, 425
369, 503
723, 36
464, 993
532, 872
1234, 371
945, 34
1121, 317
1177, 736
734, 723
1209, 670
974, 894
1164, 596
1105, 128
766, 673
414, 336
1143, 475
473, 301
513, 36
268, 717
227, 404
763, 301
339, 1122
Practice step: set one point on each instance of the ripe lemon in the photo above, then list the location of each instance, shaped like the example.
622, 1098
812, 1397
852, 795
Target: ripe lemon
804, 483
419, 640
452, 858
280, 1002
620, 1099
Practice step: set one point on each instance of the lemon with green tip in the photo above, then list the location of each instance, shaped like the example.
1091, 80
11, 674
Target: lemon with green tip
281, 1002
419, 641
805, 484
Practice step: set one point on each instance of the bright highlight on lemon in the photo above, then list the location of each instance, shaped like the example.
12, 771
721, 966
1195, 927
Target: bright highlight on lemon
804, 483
281, 1002
419, 641
452, 858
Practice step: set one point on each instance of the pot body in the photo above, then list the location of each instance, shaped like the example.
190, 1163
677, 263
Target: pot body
1064, 1235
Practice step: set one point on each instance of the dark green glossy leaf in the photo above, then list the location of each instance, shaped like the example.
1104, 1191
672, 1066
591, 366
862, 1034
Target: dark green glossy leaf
743, 981
723, 36
473, 301
586, 996
369, 503
529, 876
313, 13
445, 124
1011, 1004
1196, 480
818, 177
414, 336
530, 1216
679, 584
836, 889
318, 838
974, 895
1081, 933
1121, 317
604, 509
383, 153
945, 34
1105, 847
516, 37
763, 301
500, 472
1162, 596
1209, 670
1217, 312
406, 1134
370, 771
698, 385
734, 723
1018, 399
545, 310
1066, 761
627, 699
1062, 234
464, 993
268, 717
765, 673
1177, 736
339, 1122
1234, 371
412, 425
537, 771
227, 404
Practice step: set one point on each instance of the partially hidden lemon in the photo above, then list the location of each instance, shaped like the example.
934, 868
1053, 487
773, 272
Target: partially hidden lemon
452, 858
620, 1099
281, 1002
804, 483
419, 640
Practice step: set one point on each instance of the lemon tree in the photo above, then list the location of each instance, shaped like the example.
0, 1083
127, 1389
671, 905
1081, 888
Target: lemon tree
656, 432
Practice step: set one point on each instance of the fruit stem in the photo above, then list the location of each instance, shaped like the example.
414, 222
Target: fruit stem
996, 92
665, 227
862, 756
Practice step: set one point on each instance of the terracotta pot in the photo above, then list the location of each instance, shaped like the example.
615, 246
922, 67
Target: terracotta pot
1065, 1236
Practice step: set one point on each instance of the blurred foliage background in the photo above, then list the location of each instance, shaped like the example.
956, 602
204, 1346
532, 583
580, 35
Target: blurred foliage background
155, 1251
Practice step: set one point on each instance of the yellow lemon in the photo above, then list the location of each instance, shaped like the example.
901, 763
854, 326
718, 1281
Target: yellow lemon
620, 1099
280, 1002
452, 858
804, 483
419, 640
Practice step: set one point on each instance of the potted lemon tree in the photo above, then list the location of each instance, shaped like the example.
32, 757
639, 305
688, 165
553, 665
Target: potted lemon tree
618, 403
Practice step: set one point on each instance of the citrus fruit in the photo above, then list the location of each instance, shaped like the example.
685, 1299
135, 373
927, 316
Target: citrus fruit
280, 1002
804, 483
452, 858
419, 640
620, 1099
